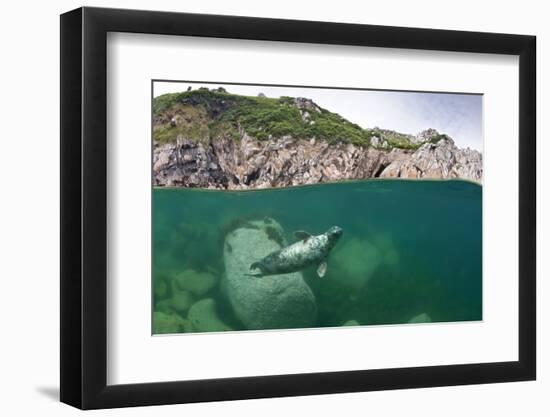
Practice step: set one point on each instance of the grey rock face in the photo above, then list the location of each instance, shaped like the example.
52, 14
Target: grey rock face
187, 164
441, 160
425, 136
377, 142
226, 163
271, 302
306, 104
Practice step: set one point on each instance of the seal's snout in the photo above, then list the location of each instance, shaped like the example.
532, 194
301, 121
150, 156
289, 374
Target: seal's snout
335, 232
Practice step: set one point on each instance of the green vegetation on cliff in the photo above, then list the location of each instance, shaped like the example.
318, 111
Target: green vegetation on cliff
205, 114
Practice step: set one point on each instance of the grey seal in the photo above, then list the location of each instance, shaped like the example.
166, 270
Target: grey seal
309, 250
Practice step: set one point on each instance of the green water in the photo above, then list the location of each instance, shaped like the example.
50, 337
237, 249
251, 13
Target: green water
408, 248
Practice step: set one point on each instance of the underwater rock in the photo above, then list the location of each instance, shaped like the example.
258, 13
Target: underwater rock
204, 317
351, 323
198, 283
354, 263
169, 323
164, 306
269, 302
160, 288
421, 318
181, 301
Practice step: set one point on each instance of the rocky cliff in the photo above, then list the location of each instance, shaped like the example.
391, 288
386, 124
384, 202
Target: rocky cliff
219, 140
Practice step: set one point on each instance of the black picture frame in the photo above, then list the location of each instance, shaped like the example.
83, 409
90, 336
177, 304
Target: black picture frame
84, 207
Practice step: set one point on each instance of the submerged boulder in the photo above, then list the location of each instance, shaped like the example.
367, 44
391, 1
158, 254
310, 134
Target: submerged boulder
161, 289
169, 323
204, 317
355, 262
179, 303
270, 302
351, 323
198, 283
421, 318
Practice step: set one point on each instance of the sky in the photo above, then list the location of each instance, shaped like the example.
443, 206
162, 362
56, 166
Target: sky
457, 115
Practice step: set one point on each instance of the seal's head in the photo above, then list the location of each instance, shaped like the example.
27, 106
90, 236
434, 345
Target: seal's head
334, 233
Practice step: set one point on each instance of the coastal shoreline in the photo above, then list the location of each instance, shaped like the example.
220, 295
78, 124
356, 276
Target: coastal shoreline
300, 186
214, 139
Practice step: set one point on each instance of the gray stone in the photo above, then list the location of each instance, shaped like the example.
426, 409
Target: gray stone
198, 283
164, 306
181, 301
440, 160
204, 317
160, 288
421, 318
270, 302
355, 262
169, 323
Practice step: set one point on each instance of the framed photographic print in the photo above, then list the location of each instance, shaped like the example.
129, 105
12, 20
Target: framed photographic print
257, 208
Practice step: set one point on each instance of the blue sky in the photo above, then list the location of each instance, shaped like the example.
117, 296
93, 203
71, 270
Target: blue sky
458, 115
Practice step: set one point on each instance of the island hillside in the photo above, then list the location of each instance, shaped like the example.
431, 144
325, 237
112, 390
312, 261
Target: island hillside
210, 138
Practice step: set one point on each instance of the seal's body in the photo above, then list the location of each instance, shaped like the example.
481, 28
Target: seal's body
309, 250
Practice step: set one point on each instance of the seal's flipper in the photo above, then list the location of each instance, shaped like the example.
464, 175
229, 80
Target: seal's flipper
322, 269
258, 266
301, 235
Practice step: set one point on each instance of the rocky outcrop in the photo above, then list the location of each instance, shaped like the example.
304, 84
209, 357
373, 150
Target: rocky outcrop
442, 159
271, 302
189, 164
226, 163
